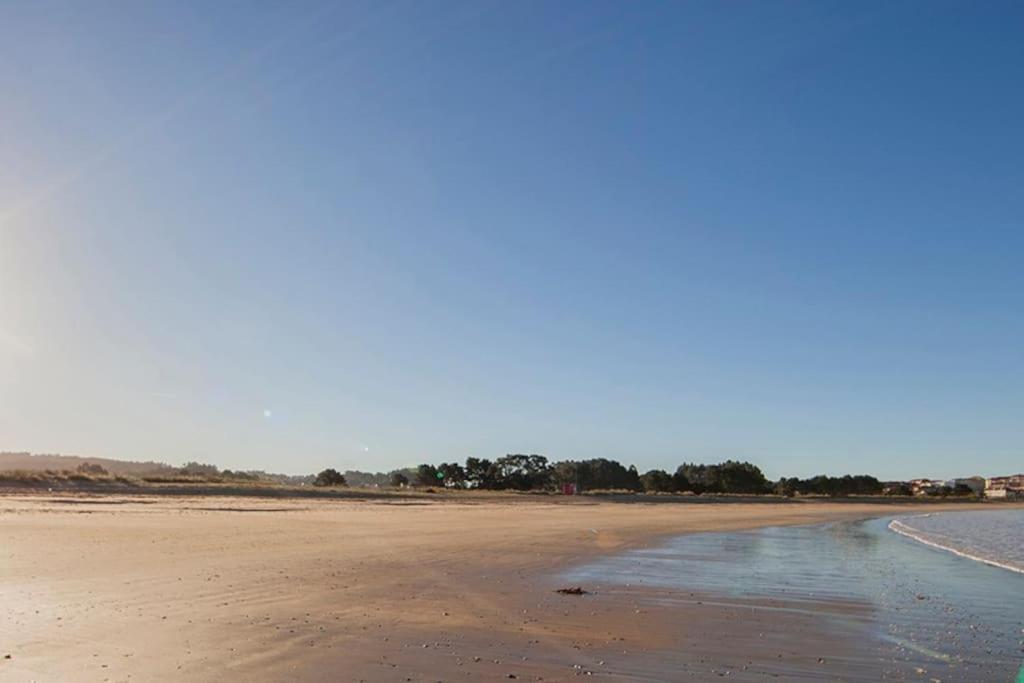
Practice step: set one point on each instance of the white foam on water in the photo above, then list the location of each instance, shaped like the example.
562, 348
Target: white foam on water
919, 536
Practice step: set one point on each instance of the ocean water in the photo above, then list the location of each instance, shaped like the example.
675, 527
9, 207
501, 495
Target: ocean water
934, 614
995, 537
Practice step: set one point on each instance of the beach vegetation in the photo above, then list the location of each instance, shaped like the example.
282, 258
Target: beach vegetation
479, 473
451, 475
426, 475
728, 477
198, 469
521, 472
596, 474
823, 485
330, 477
657, 481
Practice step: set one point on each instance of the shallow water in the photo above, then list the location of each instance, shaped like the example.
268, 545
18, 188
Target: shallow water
936, 615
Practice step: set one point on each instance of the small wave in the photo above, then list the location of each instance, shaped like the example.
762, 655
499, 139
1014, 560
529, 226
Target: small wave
910, 532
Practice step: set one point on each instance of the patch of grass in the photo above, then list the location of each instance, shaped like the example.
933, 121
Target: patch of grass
40, 477
181, 479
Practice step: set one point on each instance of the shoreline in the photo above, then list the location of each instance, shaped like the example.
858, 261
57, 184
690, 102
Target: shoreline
424, 590
926, 611
909, 532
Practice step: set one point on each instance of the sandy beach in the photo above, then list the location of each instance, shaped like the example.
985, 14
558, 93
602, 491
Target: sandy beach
213, 588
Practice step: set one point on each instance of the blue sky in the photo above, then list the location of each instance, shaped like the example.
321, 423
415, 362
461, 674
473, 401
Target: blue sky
288, 236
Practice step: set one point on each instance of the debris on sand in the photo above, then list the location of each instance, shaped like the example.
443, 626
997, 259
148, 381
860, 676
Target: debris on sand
572, 590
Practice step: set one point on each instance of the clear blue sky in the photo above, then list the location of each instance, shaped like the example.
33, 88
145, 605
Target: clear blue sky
288, 236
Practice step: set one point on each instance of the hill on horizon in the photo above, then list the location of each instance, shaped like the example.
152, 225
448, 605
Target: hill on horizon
53, 461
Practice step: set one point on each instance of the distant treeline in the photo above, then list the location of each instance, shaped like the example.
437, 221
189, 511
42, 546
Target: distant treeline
197, 471
516, 472
858, 485
521, 472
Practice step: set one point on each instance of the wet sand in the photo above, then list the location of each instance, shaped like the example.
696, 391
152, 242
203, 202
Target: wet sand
177, 588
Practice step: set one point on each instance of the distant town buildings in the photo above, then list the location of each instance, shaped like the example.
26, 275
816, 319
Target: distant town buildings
994, 487
1011, 486
926, 487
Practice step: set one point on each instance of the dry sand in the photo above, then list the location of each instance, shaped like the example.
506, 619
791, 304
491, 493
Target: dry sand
217, 588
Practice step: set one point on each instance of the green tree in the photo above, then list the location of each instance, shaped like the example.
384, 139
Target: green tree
329, 477
727, 477
823, 485
596, 474
787, 487
198, 469
522, 472
452, 475
426, 475
657, 481
480, 473
742, 477
680, 482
